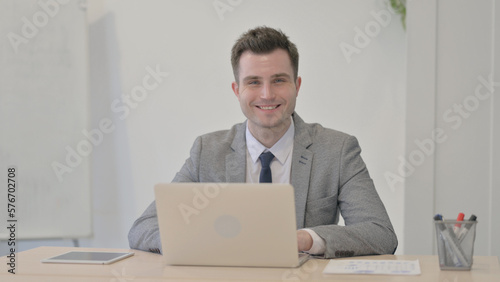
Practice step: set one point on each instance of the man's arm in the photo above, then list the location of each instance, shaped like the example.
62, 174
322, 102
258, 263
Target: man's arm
145, 234
367, 229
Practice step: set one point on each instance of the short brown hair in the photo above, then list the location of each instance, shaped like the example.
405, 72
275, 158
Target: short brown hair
263, 40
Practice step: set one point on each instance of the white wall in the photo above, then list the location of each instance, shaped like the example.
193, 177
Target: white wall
364, 97
449, 56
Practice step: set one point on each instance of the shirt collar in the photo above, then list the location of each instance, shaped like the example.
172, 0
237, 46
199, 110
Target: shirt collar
281, 150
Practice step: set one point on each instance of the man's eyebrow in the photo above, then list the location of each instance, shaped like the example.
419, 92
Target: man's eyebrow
251, 77
281, 75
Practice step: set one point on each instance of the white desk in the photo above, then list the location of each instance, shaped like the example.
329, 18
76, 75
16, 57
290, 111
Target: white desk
145, 266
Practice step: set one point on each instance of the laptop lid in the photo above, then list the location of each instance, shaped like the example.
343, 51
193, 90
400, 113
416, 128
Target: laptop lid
227, 224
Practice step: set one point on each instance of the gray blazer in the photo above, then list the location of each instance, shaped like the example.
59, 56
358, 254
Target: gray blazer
328, 176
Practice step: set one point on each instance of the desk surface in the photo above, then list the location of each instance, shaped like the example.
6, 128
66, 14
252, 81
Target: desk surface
145, 266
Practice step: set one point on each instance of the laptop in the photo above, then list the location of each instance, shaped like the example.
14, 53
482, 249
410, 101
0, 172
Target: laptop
228, 224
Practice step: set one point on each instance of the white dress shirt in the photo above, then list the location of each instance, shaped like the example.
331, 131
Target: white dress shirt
281, 167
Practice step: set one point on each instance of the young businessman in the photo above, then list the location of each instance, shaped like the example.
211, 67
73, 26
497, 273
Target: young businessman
323, 165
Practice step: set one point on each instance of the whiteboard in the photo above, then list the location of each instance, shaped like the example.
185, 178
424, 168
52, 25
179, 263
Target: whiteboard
44, 115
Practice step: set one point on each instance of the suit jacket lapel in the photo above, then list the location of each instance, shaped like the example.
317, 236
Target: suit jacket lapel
301, 168
236, 160
301, 163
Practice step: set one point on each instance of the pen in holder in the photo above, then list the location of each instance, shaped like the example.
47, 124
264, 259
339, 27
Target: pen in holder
455, 247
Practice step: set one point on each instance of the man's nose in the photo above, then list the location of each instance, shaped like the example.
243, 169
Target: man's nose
267, 92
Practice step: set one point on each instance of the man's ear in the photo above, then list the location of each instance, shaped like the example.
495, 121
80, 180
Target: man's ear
298, 82
236, 89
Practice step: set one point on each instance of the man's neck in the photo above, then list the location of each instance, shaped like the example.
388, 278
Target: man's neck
268, 136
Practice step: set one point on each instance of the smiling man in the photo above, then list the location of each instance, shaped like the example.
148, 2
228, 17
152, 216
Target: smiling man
267, 89
275, 145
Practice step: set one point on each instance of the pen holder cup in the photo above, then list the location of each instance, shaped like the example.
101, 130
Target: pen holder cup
455, 242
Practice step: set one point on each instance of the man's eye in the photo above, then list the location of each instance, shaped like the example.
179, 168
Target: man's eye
278, 80
253, 82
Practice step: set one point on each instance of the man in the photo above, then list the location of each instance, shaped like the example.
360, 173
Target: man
323, 165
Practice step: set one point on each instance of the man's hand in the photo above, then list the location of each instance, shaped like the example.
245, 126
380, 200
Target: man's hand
304, 240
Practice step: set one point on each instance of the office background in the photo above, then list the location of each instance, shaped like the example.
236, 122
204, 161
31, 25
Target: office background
362, 74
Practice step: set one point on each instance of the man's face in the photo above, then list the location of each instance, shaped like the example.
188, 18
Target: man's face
266, 90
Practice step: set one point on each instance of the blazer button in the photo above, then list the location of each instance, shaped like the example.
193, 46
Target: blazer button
344, 253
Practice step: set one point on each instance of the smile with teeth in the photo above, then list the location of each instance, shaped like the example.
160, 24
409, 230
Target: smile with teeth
268, 107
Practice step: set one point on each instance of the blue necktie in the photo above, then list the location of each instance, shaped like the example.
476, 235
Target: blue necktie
265, 172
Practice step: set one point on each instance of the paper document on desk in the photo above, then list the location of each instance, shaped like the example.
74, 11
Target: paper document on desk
392, 267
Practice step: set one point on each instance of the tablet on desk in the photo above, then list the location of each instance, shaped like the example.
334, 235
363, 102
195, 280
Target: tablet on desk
88, 257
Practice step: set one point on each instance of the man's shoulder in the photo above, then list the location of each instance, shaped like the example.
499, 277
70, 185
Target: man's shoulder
223, 136
318, 132
328, 142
